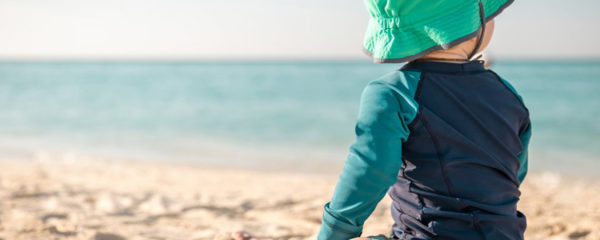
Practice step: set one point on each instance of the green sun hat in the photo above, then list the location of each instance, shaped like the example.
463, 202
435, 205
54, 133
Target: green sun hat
404, 30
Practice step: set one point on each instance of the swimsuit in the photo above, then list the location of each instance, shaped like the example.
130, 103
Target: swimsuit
449, 143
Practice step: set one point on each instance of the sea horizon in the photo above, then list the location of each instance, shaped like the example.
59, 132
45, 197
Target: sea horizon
178, 59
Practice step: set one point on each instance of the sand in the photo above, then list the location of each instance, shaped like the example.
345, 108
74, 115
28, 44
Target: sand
85, 198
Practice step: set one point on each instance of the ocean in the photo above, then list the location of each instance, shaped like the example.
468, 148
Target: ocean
293, 115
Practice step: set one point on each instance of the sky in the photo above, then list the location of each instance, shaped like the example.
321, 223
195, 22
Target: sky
261, 29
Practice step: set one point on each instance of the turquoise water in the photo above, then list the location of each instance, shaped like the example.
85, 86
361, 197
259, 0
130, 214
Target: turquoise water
185, 111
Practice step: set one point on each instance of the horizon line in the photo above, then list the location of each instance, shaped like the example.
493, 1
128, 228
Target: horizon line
225, 60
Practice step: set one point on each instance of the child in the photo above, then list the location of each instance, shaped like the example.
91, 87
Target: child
444, 136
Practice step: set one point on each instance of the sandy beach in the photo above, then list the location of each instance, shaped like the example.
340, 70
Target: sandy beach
86, 198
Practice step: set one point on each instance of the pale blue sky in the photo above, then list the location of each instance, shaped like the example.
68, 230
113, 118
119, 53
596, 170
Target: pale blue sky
200, 29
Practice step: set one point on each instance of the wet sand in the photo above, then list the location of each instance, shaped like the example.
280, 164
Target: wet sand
86, 198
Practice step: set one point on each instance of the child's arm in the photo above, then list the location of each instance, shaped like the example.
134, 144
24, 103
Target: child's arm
523, 158
524, 136
373, 163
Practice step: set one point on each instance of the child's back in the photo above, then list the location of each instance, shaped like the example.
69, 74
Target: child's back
461, 162
452, 140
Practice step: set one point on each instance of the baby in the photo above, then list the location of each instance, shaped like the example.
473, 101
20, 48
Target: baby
444, 136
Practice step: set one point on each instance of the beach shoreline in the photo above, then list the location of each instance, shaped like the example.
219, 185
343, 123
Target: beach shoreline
88, 198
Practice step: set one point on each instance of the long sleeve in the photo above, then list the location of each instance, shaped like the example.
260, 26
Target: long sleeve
523, 156
373, 162
524, 136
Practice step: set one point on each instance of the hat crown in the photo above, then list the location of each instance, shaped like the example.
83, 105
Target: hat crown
402, 30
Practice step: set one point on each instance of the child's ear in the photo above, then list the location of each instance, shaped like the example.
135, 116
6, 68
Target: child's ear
487, 35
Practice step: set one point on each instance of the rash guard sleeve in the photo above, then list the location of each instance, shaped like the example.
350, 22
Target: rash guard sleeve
523, 156
374, 160
524, 136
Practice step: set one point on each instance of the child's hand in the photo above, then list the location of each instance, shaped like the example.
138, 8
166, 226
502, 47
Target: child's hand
378, 237
242, 236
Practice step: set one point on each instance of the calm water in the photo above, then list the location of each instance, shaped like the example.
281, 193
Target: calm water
186, 111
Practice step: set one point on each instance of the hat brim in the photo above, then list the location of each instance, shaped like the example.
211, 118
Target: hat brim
395, 45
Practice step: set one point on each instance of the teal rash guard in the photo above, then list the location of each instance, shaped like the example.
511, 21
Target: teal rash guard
449, 142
